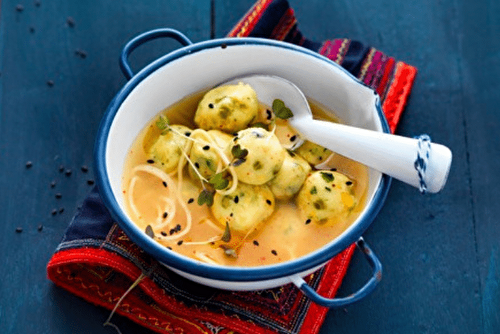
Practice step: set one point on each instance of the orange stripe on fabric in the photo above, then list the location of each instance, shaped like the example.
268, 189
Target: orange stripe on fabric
284, 26
250, 19
398, 93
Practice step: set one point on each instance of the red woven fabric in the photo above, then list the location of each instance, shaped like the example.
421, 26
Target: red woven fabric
101, 263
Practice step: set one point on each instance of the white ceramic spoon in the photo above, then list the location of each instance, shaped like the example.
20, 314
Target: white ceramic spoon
390, 154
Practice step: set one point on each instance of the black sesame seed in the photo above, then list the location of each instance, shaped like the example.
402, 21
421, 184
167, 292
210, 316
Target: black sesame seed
231, 214
274, 252
90, 182
177, 227
333, 169
348, 183
269, 201
50, 83
308, 221
165, 214
191, 200
236, 199
163, 233
82, 54
197, 165
164, 184
70, 21
19, 229
187, 134
269, 114
255, 242
54, 212
61, 210
172, 231
223, 45
211, 105
29, 164
292, 138
170, 248
206, 148
85, 169
58, 195
52, 184
150, 161
180, 242
40, 228
68, 172
328, 189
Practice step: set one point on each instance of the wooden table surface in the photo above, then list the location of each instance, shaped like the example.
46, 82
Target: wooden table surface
441, 253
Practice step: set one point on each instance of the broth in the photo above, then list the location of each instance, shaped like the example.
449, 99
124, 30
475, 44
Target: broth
286, 235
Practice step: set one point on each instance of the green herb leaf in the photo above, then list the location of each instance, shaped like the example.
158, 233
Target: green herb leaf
313, 191
219, 181
239, 153
226, 237
162, 123
149, 231
328, 177
280, 110
206, 197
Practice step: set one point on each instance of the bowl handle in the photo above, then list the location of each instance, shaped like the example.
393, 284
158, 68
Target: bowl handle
143, 38
361, 293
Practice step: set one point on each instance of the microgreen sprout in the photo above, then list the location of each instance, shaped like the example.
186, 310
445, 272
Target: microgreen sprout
280, 110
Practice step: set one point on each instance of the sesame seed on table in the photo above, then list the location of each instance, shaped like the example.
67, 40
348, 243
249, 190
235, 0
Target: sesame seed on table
440, 253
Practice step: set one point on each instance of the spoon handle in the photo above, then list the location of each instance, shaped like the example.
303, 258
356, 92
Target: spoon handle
390, 154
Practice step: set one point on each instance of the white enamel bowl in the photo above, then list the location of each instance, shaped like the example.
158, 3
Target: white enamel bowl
199, 66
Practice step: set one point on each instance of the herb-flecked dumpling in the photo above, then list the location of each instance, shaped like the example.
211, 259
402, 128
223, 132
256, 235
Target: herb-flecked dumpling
228, 108
313, 153
205, 157
258, 155
326, 196
290, 177
245, 209
166, 151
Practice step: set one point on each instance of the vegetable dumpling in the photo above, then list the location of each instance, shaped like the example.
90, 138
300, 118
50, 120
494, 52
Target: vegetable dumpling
166, 151
290, 177
229, 108
313, 153
326, 196
258, 155
245, 209
205, 157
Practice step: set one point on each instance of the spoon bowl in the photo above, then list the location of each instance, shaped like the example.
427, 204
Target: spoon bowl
415, 161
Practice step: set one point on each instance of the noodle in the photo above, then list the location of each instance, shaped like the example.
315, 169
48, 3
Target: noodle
130, 198
164, 177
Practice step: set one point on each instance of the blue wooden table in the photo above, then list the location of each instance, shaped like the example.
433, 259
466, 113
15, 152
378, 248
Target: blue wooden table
441, 253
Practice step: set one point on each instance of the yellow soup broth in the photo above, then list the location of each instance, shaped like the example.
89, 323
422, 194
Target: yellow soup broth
285, 235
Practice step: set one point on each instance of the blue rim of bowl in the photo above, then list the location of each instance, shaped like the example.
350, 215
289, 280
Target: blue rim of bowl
193, 267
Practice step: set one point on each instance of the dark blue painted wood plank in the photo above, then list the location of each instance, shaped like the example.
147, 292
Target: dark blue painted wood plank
74, 45
440, 253
480, 48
